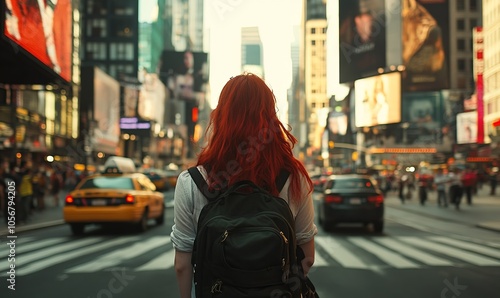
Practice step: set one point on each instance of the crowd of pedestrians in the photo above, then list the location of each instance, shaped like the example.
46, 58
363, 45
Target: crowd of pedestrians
34, 187
450, 185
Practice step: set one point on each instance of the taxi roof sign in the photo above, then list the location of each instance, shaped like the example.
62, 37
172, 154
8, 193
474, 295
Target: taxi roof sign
119, 164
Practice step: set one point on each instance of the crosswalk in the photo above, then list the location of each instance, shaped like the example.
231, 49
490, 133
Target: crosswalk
93, 254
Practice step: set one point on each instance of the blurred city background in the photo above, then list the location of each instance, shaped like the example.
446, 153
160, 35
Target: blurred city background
379, 84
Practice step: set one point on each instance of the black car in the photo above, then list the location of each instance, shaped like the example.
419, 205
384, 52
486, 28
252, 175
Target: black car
351, 198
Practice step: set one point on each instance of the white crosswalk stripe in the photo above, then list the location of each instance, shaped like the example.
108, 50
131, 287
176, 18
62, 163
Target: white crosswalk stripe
468, 257
340, 254
470, 246
52, 251
384, 254
116, 257
364, 253
413, 253
163, 261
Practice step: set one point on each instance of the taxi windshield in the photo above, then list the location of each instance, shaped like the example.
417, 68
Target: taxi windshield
109, 183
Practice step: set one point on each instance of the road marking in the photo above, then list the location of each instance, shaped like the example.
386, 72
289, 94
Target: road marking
24, 248
468, 257
319, 261
24, 259
382, 253
116, 257
340, 253
163, 261
409, 251
37, 266
470, 246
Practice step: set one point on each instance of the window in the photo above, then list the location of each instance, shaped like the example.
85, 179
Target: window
109, 182
96, 28
473, 23
460, 5
461, 44
324, 30
473, 5
461, 64
313, 42
461, 25
121, 51
95, 51
313, 30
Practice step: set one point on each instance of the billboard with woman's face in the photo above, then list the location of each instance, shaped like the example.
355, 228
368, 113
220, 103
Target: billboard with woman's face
362, 38
43, 29
185, 74
378, 100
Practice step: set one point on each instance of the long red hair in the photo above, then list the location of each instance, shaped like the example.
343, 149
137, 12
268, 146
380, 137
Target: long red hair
247, 141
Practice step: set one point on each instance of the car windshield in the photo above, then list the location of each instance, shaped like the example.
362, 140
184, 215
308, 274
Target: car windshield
353, 183
108, 182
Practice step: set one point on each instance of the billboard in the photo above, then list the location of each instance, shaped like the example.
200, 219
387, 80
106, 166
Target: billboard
106, 112
378, 100
424, 113
44, 30
185, 74
467, 127
425, 46
362, 38
152, 96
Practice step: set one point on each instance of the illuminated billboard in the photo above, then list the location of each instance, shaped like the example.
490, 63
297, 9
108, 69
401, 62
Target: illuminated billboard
467, 127
362, 38
378, 100
44, 32
425, 47
106, 112
424, 114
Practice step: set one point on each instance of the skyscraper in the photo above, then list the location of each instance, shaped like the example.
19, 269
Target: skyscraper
251, 51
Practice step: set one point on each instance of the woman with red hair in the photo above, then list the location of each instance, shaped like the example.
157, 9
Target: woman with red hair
245, 141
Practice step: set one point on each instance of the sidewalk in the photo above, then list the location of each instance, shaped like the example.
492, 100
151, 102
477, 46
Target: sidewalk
483, 213
50, 216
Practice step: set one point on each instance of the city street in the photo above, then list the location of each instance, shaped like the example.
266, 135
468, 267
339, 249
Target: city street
410, 259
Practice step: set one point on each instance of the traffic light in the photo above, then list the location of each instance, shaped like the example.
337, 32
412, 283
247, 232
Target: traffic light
194, 114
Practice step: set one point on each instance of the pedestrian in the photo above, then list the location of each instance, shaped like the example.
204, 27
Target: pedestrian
456, 189
39, 185
55, 185
493, 176
401, 188
245, 141
469, 180
26, 190
423, 185
441, 180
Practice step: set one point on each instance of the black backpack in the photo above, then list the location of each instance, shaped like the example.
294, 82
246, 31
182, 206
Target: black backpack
245, 243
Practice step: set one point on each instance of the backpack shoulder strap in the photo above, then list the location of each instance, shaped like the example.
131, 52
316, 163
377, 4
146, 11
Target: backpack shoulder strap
281, 179
202, 184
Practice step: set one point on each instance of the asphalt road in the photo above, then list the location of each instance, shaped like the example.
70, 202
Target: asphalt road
410, 259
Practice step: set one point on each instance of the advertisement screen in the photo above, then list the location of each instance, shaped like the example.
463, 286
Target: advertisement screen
425, 44
106, 112
152, 97
185, 74
424, 113
130, 99
378, 100
467, 127
362, 38
43, 29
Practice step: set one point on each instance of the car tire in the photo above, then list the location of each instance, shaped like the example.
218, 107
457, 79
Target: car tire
77, 229
161, 219
142, 225
378, 226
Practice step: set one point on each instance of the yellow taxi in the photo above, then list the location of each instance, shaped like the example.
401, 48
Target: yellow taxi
114, 196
